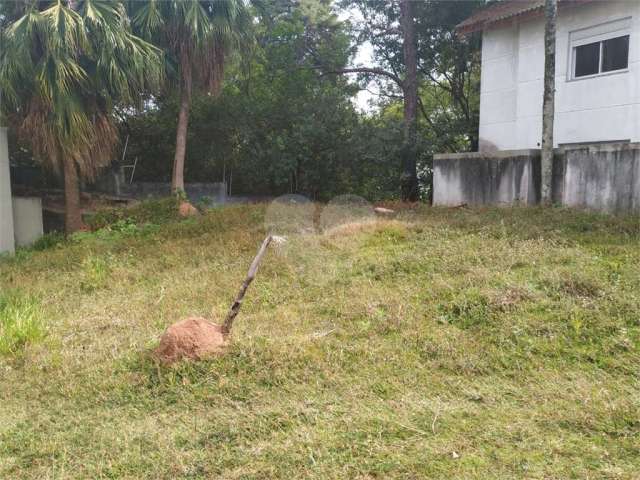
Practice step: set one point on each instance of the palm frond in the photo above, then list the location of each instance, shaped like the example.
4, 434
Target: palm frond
62, 69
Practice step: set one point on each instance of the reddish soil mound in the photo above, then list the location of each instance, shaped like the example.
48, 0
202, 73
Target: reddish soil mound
187, 210
193, 338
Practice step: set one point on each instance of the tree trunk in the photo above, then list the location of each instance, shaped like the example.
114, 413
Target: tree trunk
72, 213
409, 179
548, 105
474, 143
177, 179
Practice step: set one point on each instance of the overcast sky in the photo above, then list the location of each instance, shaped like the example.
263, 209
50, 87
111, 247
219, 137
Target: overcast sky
363, 58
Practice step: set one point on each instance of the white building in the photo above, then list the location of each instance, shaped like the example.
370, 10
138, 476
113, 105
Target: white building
597, 72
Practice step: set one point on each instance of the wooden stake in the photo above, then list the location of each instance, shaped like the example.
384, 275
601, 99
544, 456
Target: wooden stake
251, 274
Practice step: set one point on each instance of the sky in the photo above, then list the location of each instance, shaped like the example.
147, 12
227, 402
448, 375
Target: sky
363, 58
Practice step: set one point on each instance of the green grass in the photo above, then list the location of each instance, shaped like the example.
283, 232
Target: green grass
20, 322
450, 343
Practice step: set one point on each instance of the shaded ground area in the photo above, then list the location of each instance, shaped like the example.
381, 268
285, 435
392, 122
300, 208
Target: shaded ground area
453, 343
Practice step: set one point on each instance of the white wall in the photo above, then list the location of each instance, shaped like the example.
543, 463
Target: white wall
6, 211
604, 108
27, 220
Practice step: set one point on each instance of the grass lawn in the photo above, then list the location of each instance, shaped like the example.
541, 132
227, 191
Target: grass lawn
449, 343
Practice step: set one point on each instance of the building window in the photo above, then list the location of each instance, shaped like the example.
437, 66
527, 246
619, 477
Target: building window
599, 50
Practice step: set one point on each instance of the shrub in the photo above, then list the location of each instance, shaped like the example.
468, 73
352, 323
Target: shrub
20, 322
47, 241
150, 211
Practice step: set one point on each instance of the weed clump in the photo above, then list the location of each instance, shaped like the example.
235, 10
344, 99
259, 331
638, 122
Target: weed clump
20, 322
96, 270
467, 310
150, 211
48, 240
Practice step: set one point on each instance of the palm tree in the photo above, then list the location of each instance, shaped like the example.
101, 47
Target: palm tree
64, 65
196, 36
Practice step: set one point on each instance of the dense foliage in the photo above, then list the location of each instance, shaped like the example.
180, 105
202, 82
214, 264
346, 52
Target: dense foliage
279, 125
285, 121
63, 66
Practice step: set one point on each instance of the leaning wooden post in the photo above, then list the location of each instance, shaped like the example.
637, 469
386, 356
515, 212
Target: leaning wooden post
548, 104
251, 274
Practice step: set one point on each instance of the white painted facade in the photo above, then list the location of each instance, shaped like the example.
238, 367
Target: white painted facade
600, 108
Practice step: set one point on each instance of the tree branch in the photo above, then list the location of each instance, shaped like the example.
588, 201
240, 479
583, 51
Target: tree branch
253, 269
373, 71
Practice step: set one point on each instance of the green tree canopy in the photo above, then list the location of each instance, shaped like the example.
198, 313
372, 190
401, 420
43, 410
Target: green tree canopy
196, 37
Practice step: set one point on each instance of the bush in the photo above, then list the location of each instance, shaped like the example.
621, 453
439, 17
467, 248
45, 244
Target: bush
48, 240
20, 322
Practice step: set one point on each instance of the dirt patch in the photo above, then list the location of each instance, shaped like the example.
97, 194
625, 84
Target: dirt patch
509, 299
187, 210
580, 287
193, 339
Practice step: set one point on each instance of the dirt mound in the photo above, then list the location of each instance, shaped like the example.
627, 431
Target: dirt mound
187, 210
193, 338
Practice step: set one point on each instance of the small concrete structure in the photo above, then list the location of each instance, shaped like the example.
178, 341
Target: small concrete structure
27, 220
6, 211
20, 217
602, 177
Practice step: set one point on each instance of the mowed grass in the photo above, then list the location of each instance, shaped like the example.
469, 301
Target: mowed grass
448, 343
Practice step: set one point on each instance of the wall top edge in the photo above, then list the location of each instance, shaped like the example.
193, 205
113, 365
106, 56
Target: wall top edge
502, 154
497, 155
603, 147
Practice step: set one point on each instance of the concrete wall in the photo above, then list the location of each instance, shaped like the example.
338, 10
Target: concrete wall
27, 220
599, 109
215, 192
6, 212
600, 177
115, 183
478, 179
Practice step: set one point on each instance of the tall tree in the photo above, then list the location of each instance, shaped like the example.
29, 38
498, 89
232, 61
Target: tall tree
63, 66
449, 65
280, 125
548, 105
381, 20
196, 36
409, 179
416, 48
